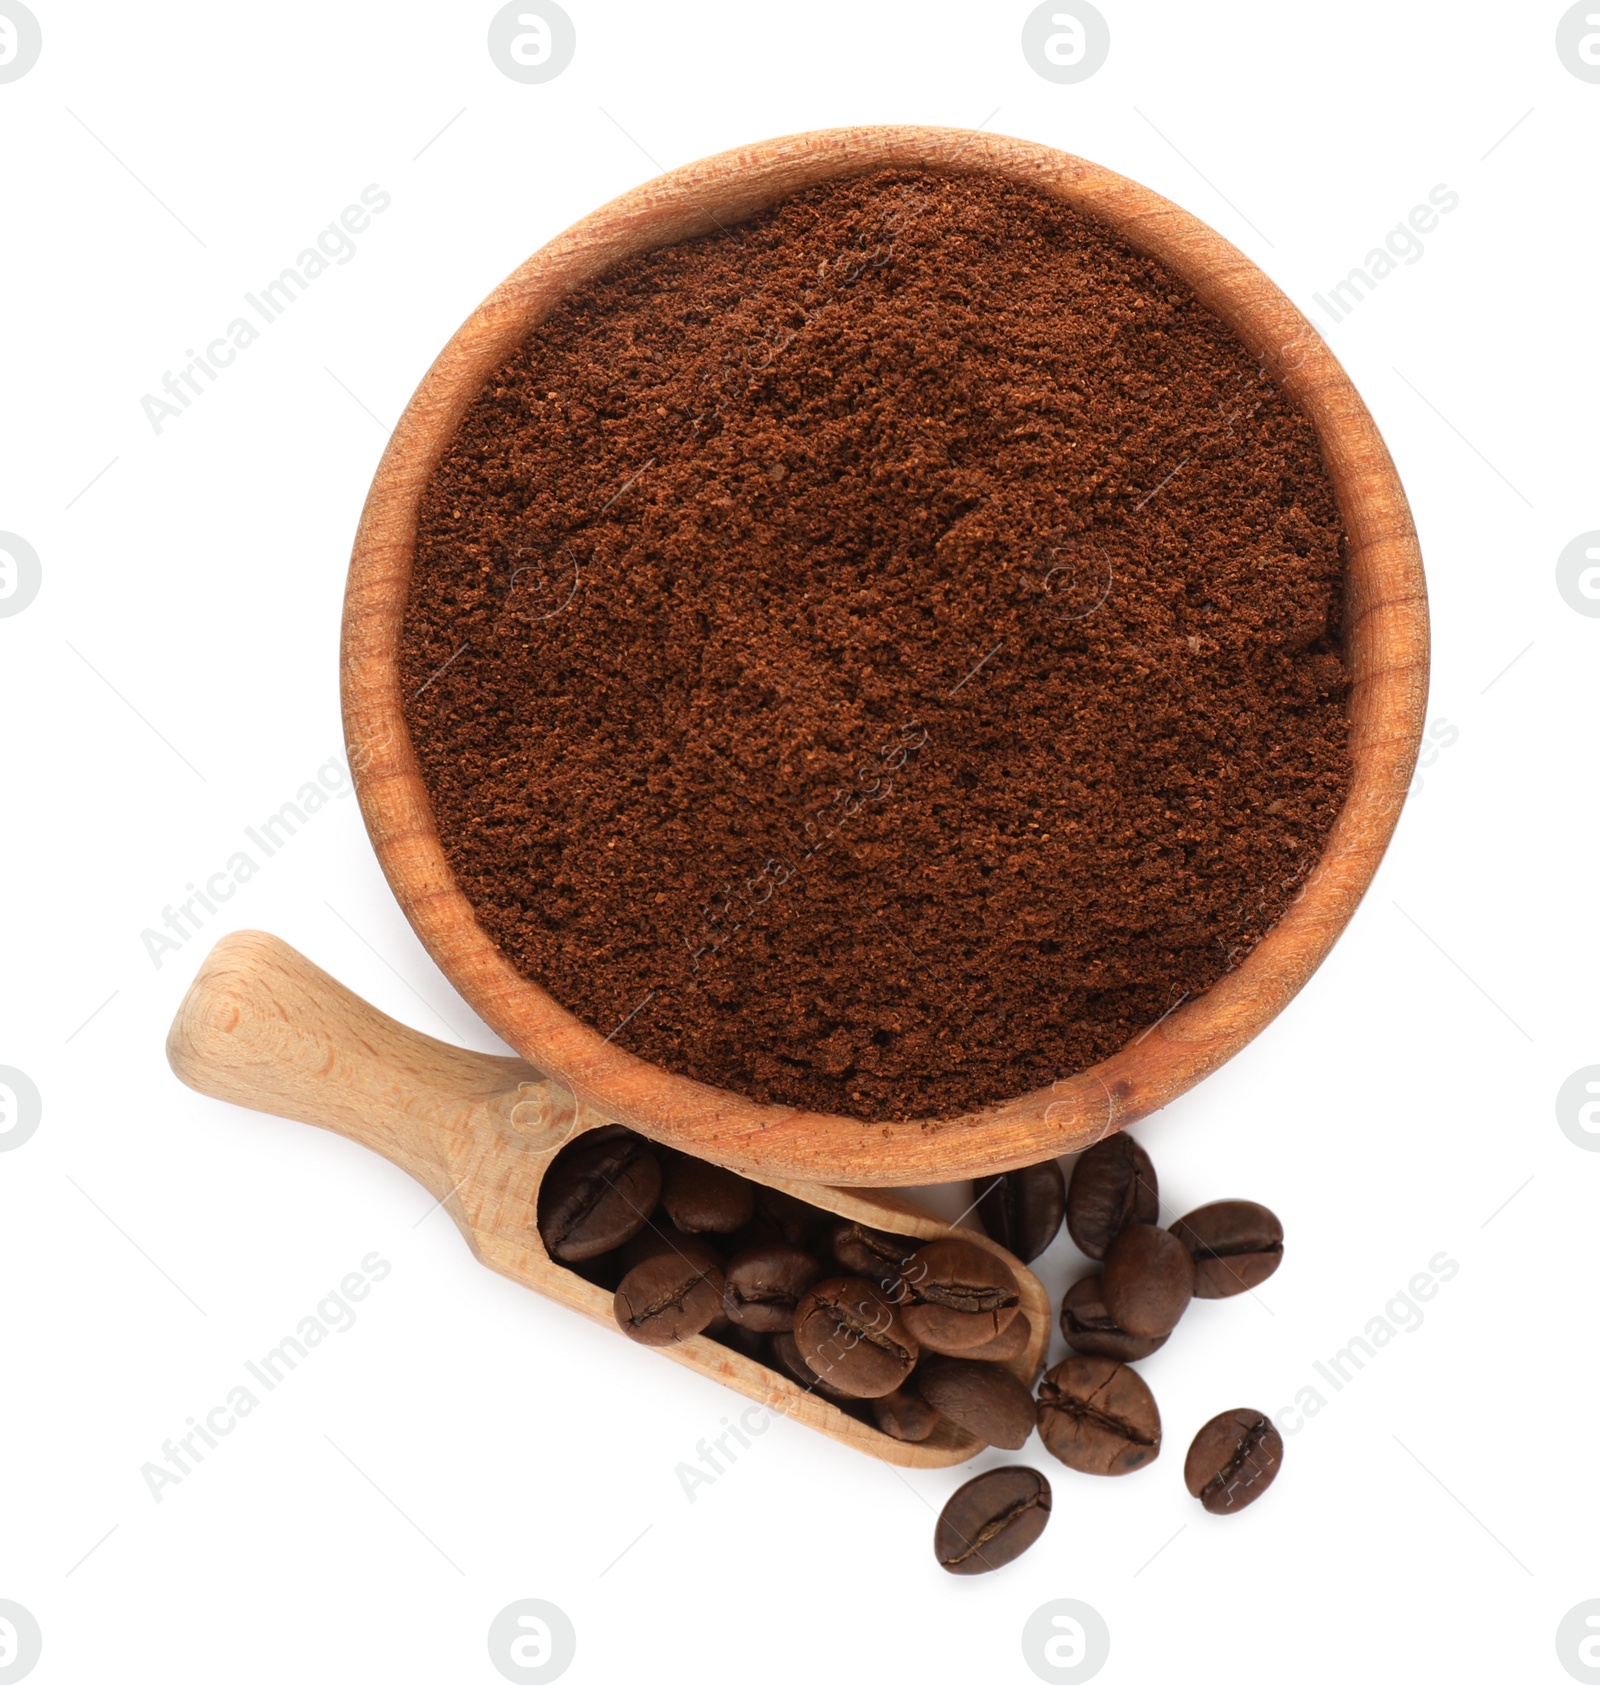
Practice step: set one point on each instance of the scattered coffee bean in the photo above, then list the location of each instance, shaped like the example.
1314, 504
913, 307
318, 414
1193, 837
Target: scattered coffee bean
958, 1295
1235, 1243
991, 1520
905, 1414
705, 1199
871, 1253
598, 1194
1011, 1341
916, 1337
1023, 1209
1233, 1460
985, 1399
853, 1337
764, 1285
1087, 1326
1148, 1280
1097, 1416
667, 1299
1113, 1185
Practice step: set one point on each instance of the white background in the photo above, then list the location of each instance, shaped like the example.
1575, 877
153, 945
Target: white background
176, 680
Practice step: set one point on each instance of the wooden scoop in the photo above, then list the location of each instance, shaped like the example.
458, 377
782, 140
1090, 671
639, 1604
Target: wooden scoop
263, 1027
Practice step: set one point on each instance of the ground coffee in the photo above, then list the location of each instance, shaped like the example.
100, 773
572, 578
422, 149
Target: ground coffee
881, 656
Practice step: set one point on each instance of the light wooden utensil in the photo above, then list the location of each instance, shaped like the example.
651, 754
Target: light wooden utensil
1386, 654
263, 1027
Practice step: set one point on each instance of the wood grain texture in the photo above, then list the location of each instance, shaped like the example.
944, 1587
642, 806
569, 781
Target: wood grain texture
263, 1027
1386, 646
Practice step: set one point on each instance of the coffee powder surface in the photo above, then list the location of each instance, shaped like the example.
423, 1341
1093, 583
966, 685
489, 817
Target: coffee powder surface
882, 656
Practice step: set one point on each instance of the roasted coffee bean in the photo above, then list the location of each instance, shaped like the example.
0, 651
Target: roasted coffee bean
872, 1254
746, 1341
853, 1337
603, 1272
1113, 1185
757, 1232
599, 1193
787, 1360
667, 1299
1148, 1280
1011, 1341
1087, 1326
984, 1399
1235, 1243
1098, 1416
659, 1235
764, 1285
1023, 1209
991, 1520
1233, 1460
790, 1219
905, 1414
957, 1295
704, 1198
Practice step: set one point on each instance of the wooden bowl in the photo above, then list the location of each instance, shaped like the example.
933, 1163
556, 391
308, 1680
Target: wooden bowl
1386, 653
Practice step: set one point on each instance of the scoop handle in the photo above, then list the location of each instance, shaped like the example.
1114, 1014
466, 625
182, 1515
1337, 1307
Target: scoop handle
263, 1027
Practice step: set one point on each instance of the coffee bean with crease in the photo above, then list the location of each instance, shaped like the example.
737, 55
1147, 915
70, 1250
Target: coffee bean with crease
1023, 1209
704, 1198
1147, 1280
873, 1254
1087, 1326
1097, 1416
667, 1299
1113, 1184
984, 1399
763, 1286
1233, 1460
905, 1414
599, 1193
1011, 1341
957, 1295
853, 1337
991, 1520
1235, 1243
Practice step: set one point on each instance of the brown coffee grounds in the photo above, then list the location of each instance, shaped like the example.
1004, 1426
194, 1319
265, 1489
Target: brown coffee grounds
882, 656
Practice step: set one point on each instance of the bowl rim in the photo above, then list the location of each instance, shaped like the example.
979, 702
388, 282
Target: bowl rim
1386, 654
